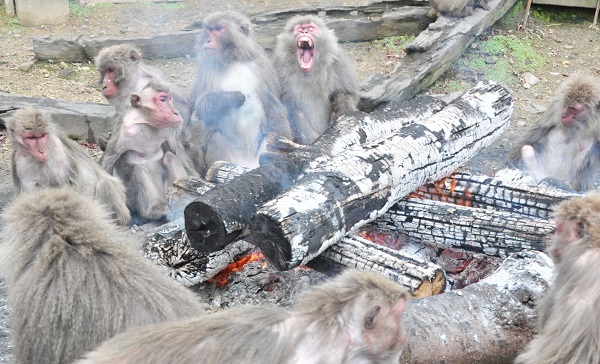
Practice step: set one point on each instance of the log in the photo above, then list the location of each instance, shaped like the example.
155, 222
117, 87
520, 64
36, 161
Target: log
168, 247
346, 192
80, 118
493, 232
374, 20
421, 278
222, 214
429, 55
486, 322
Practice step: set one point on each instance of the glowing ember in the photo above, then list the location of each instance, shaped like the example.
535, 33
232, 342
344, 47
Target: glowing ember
393, 241
222, 278
440, 192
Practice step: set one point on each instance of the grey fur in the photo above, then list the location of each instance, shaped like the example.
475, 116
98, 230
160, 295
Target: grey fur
74, 279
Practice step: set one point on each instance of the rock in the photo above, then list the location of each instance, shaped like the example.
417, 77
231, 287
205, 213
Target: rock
530, 79
26, 67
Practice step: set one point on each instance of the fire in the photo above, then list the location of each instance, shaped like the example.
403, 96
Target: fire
222, 278
445, 190
393, 241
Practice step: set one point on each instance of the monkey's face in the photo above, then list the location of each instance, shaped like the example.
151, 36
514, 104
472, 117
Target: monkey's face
572, 113
306, 44
36, 145
160, 107
109, 78
213, 38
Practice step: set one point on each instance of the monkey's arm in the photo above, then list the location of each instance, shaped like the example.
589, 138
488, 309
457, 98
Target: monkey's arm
276, 124
587, 173
16, 180
212, 106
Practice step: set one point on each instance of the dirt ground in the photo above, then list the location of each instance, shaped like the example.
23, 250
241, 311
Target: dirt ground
568, 45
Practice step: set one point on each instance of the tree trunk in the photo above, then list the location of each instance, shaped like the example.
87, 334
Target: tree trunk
488, 322
222, 214
344, 193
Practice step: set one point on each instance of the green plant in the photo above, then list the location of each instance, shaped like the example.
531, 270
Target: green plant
513, 15
395, 43
561, 14
78, 11
172, 6
6, 21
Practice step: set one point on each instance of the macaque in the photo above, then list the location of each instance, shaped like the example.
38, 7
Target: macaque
458, 8
353, 318
567, 328
146, 152
44, 157
122, 73
318, 81
235, 94
74, 279
564, 143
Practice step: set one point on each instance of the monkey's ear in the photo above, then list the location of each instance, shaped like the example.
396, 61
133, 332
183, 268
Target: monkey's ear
134, 56
135, 100
370, 317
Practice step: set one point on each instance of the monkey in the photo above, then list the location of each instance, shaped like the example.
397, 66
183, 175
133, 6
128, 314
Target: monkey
567, 329
75, 279
123, 72
318, 81
352, 318
457, 8
42, 157
235, 94
146, 152
563, 143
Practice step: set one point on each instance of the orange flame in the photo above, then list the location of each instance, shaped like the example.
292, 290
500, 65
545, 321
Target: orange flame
447, 194
222, 278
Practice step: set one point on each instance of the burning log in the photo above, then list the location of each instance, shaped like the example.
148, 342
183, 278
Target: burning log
345, 192
476, 213
168, 246
486, 322
222, 214
421, 278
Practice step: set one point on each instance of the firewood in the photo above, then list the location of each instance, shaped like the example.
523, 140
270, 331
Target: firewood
222, 214
421, 278
486, 322
346, 192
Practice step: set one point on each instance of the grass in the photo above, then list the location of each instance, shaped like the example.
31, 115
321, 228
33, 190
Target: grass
78, 11
561, 14
395, 43
8, 22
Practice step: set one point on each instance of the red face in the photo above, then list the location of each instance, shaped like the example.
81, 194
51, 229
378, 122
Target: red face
110, 88
212, 44
165, 114
36, 145
571, 114
306, 36
566, 234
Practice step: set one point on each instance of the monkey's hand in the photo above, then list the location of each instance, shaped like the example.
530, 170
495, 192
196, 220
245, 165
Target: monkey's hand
214, 105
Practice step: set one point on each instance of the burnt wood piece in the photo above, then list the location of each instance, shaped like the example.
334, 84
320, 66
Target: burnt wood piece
421, 278
490, 192
429, 55
80, 118
222, 214
345, 192
375, 20
493, 232
487, 322
168, 246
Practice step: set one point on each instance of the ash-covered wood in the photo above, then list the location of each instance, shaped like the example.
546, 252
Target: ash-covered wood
345, 192
493, 232
486, 322
169, 247
429, 55
420, 277
221, 215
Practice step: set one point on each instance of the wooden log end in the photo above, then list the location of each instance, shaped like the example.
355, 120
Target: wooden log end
205, 229
432, 287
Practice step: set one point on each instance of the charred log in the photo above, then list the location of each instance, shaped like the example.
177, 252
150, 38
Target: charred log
486, 322
347, 191
421, 278
222, 214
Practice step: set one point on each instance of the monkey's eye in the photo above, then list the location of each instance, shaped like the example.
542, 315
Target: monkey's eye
311, 29
110, 69
218, 28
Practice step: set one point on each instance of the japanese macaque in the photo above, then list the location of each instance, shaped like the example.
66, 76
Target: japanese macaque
146, 152
563, 144
318, 81
458, 8
74, 279
353, 318
122, 73
235, 94
44, 157
568, 331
